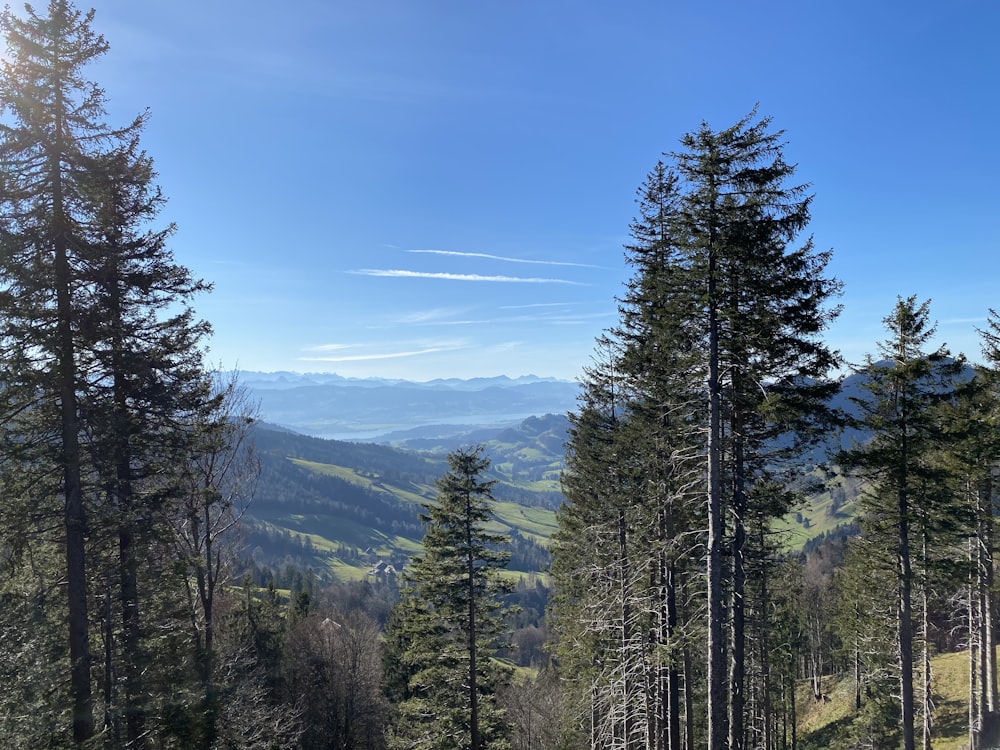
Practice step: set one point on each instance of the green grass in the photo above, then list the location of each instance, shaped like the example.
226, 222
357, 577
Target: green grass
412, 494
820, 722
818, 515
536, 523
328, 530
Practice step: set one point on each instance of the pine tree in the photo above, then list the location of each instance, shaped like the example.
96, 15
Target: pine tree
720, 387
44, 148
908, 497
760, 312
450, 621
100, 349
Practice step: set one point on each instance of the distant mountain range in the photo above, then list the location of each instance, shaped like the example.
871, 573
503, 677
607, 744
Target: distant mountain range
331, 406
337, 505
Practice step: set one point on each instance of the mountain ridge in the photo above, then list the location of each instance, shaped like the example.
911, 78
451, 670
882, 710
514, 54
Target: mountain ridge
330, 406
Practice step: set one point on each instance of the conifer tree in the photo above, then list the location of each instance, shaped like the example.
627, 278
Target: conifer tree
761, 311
908, 492
722, 373
100, 349
598, 577
450, 618
45, 139
970, 454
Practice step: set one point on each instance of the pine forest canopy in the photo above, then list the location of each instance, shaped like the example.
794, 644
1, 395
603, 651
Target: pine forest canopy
676, 618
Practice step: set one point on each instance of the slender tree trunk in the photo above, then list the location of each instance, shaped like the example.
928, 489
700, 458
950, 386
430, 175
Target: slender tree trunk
128, 564
926, 650
988, 652
673, 687
135, 714
627, 655
206, 574
109, 662
688, 666
737, 645
594, 718
473, 687
765, 648
75, 514
795, 723
857, 668
975, 662
717, 704
905, 626
688, 699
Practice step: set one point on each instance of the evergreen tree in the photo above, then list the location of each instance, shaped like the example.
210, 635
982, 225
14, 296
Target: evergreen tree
970, 454
99, 348
865, 623
450, 623
908, 500
45, 146
599, 604
761, 310
721, 374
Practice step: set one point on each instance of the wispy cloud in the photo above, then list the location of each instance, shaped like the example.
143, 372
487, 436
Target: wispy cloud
961, 321
403, 274
392, 353
536, 305
541, 317
327, 347
504, 258
433, 315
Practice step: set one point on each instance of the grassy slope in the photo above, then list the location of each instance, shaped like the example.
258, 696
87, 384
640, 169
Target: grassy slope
835, 504
819, 723
328, 532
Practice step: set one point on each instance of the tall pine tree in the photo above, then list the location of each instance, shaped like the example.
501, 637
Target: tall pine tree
449, 621
908, 492
723, 367
99, 348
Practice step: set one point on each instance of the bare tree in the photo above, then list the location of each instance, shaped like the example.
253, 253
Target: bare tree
221, 480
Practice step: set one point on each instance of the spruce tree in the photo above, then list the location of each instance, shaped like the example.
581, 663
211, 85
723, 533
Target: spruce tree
100, 349
450, 618
908, 496
45, 139
721, 375
761, 310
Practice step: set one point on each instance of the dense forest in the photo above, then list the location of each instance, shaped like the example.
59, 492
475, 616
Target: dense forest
676, 614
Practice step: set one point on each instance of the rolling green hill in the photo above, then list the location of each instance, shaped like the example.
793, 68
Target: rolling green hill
824, 724
341, 508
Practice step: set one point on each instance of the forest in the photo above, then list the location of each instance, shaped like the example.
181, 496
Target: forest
675, 615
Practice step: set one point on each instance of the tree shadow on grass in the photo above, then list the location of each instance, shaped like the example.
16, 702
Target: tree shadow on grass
826, 736
951, 718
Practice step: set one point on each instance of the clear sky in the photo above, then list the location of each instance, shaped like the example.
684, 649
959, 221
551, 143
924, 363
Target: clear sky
421, 189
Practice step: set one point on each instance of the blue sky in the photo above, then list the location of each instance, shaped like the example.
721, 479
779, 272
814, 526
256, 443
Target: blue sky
423, 189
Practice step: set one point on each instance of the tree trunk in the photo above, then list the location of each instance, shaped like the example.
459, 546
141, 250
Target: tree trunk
128, 564
905, 626
74, 514
673, 687
717, 704
974, 660
988, 652
737, 645
925, 651
473, 688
